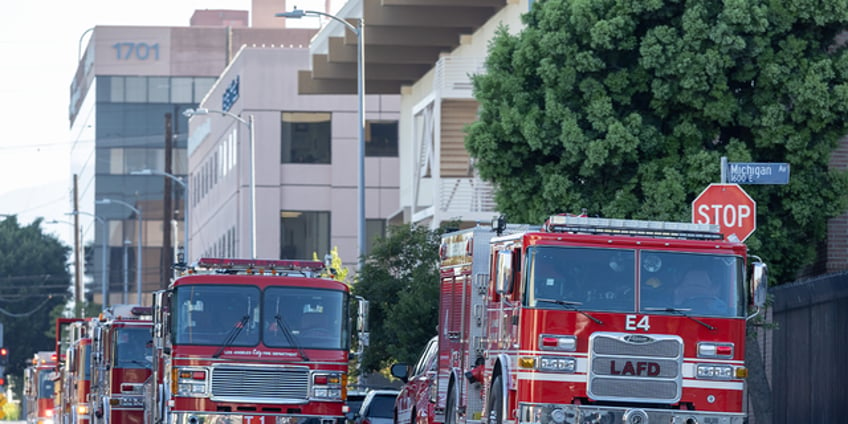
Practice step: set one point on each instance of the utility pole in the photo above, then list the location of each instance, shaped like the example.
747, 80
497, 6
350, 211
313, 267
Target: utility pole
78, 291
167, 255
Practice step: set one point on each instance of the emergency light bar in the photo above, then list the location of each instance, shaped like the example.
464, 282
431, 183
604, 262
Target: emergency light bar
633, 227
259, 266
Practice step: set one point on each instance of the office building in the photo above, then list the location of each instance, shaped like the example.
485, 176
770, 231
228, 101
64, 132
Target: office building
125, 112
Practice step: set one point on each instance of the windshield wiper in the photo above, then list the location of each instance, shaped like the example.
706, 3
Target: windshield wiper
288, 333
568, 304
681, 312
289, 336
234, 332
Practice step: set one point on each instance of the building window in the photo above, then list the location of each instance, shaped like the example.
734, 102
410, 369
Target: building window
158, 89
374, 229
201, 87
181, 90
116, 89
306, 137
136, 90
381, 138
303, 233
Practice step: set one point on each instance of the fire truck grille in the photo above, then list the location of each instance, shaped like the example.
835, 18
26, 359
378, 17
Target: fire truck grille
269, 384
636, 368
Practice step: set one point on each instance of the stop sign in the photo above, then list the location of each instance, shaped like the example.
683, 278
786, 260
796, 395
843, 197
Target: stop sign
728, 206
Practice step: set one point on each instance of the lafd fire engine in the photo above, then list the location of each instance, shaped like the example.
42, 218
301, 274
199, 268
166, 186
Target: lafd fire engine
73, 371
121, 362
39, 380
587, 320
251, 342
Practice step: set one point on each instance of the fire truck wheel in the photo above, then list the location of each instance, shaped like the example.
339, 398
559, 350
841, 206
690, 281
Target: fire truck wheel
450, 409
495, 403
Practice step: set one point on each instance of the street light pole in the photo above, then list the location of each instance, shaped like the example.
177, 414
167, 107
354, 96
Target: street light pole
249, 123
138, 248
184, 185
359, 31
104, 285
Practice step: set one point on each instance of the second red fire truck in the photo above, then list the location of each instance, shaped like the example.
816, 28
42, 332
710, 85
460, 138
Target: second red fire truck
121, 362
250, 342
587, 320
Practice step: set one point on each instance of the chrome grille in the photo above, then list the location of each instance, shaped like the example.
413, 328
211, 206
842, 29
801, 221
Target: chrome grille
635, 367
259, 383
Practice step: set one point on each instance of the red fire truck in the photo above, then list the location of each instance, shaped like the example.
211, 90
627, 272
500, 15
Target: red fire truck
251, 342
39, 380
121, 362
73, 371
587, 320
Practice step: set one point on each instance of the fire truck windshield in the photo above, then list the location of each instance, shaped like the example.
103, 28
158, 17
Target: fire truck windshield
207, 314
133, 348
46, 384
605, 280
279, 317
313, 318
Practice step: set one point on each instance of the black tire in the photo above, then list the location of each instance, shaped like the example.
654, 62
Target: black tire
450, 408
495, 403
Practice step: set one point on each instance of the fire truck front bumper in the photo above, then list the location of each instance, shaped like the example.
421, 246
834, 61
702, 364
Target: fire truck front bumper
592, 414
201, 417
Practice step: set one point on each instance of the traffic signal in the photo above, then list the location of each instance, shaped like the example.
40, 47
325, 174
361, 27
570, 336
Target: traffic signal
4, 356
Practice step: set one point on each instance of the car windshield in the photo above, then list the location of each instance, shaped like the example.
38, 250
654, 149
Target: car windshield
593, 279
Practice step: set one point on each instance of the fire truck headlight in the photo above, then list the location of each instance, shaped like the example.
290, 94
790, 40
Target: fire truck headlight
557, 342
557, 364
191, 382
327, 386
191, 389
715, 371
715, 350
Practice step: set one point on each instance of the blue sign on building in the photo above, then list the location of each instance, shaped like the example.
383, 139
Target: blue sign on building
757, 173
231, 94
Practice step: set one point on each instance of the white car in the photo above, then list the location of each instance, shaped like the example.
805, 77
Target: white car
377, 408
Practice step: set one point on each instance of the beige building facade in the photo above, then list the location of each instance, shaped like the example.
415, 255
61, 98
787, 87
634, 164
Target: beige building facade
306, 149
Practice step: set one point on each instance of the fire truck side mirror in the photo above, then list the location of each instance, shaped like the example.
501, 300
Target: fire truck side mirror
504, 270
759, 284
361, 314
401, 371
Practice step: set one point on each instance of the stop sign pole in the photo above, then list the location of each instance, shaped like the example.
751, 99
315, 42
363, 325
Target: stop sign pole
728, 206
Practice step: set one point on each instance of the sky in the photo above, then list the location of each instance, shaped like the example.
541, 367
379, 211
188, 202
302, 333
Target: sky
39, 46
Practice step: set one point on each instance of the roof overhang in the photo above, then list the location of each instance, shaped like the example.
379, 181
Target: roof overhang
403, 41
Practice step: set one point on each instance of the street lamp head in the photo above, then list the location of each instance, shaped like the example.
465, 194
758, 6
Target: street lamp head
142, 172
188, 113
103, 202
295, 14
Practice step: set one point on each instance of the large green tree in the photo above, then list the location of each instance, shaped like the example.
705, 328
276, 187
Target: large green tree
626, 107
400, 279
34, 280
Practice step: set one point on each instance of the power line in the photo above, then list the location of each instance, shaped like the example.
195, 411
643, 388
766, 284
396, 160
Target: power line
28, 313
